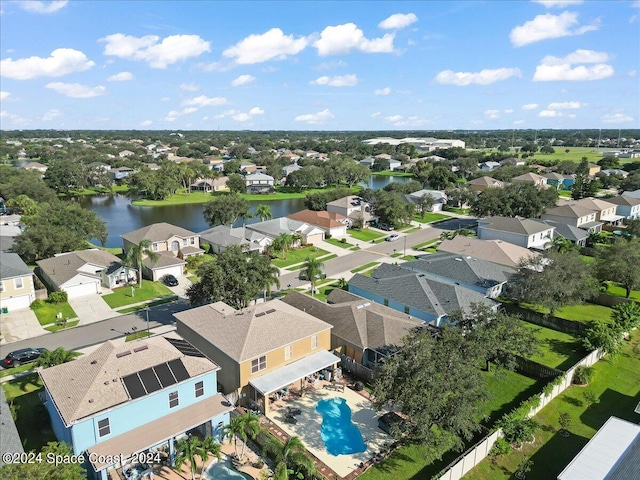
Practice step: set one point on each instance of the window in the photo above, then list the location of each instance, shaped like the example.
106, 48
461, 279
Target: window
386, 302
258, 364
1, 286
406, 309
18, 283
154, 247
199, 389
103, 427
288, 352
173, 399
175, 246
192, 240
314, 341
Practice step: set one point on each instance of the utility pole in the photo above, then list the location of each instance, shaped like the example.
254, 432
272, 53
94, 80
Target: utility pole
147, 310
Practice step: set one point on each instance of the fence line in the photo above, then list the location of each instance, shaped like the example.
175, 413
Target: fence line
608, 300
535, 369
357, 369
555, 323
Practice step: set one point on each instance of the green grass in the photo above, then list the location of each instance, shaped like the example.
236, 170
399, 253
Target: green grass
365, 235
136, 336
13, 371
619, 291
47, 312
506, 391
428, 243
584, 312
365, 267
556, 349
390, 173
408, 258
564, 193
460, 211
117, 251
338, 243
298, 255
323, 292
137, 308
395, 255
414, 229
57, 328
616, 384
588, 259
149, 291
430, 217
575, 154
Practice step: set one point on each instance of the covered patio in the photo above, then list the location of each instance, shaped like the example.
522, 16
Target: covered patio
278, 381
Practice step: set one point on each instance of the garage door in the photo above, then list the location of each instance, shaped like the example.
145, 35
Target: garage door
82, 289
15, 303
176, 271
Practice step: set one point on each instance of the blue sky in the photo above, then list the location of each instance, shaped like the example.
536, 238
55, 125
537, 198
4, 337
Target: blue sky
319, 65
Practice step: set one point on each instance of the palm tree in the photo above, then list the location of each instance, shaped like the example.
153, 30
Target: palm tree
292, 454
283, 242
51, 358
137, 252
209, 446
561, 244
250, 430
264, 212
233, 430
313, 270
187, 449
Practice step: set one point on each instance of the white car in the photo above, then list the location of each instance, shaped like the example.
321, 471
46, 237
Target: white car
392, 238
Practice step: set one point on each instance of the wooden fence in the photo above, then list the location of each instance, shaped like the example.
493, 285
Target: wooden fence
555, 323
351, 366
536, 370
609, 300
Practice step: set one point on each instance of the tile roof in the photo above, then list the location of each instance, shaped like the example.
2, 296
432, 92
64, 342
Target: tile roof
250, 332
320, 218
65, 266
93, 382
157, 232
521, 226
496, 251
11, 265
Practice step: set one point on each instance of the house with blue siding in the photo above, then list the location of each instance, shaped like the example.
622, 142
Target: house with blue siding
123, 399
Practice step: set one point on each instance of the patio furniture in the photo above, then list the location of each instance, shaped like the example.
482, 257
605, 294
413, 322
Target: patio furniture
293, 411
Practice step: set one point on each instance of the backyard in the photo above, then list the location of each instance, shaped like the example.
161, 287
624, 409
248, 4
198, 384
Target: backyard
556, 349
619, 291
149, 291
583, 312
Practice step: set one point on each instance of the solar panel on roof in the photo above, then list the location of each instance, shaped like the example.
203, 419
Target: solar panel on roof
177, 367
134, 386
149, 380
163, 372
185, 347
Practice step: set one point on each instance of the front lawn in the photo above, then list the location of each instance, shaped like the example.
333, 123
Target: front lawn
56, 328
365, 267
365, 235
338, 243
429, 217
556, 349
149, 291
323, 292
137, 308
429, 243
619, 291
298, 255
47, 313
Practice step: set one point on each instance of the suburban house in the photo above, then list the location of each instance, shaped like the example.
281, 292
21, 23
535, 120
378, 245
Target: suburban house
333, 224
631, 193
9, 436
605, 210
415, 294
439, 198
261, 349
488, 166
362, 330
8, 234
613, 171
210, 184
121, 172
259, 183
613, 453
248, 167
287, 169
309, 234
627, 207
569, 232
524, 232
173, 245
84, 272
223, 236
127, 398
482, 183
561, 182
537, 180
125, 153
16, 283
594, 169
575, 215
475, 274
496, 251
37, 166
356, 210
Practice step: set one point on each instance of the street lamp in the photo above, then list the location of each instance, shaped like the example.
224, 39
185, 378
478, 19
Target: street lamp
404, 250
147, 312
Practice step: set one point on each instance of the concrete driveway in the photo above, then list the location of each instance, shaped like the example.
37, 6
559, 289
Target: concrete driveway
181, 289
19, 325
91, 308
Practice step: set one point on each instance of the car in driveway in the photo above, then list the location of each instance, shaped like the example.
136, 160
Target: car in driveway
169, 280
387, 227
392, 238
24, 355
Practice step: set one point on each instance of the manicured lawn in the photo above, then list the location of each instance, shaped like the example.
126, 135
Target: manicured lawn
56, 328
507, 390
136, 336
13, 371
588, 259
584, 312
338, 243
408, 258
616, 384
150, 304
619, 291
365, 235
117, 251
429, 217
47, 312
395, 255
149, 291
365, 266
556, 349
575, 154
298, 255
564, 193
461, 211
323, 292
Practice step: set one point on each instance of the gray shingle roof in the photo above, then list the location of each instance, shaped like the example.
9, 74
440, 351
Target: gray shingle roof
571, 211
276, 226
65, 266
165, 259
11, 266
569, 232
522, 226
157, 232
624, 200
9, 437
248, 333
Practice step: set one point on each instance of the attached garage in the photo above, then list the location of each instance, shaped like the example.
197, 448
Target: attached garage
18, 302
175, 270
80, 289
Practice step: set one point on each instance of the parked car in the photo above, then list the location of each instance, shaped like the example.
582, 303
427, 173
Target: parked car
303, 276
24, 355
386, 227
392, 238
169, 280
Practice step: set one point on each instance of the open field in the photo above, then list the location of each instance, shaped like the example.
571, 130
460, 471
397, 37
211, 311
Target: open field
575, 154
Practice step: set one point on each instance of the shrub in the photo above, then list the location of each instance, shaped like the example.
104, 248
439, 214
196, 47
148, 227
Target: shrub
343, 240
36, 304
565, 421
58, 297
518, 430
359, 386
500, 448
583, 375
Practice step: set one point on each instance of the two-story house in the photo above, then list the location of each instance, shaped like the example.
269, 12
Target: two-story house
16, 283
627, 207
496, 251
533, 178
482, 183
575, 215
259, 183
605, 210
356, 209
126, 398
524, 232
261, 349
172, 245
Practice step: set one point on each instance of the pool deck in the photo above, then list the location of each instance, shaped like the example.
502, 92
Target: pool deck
309, 422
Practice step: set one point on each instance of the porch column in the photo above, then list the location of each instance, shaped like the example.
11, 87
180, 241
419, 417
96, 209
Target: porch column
266, 404
103, 474
172, 452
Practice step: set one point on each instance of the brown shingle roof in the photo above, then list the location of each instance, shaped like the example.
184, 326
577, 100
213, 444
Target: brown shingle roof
322, 218
157, 232
496, 251
624, 200
522, 226
65, 266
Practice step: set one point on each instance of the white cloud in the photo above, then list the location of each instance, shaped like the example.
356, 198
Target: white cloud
632, 73
393, 118
617, 118
342, 39
158, 54
561, 68
204, 101
382, 91
492, 114
565, 105
146, 123
36, 6
330, 65
337, 81
558, 3
315, 118
242, 80
410, 121
256, 111
518, 122
62, 61
376, 114
530, 106
76, 90
273, 44
549, 114
4, 95
548, 26
120, 77
51, 114
398, 20
579, 56
508, 110
484, 77
189, 87
241, 117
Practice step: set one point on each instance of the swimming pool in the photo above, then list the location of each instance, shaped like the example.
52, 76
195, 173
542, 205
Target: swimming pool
339, 434
223, 470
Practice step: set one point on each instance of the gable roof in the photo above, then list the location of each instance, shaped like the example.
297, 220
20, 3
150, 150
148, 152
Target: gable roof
93, 383
157, 232
486, 181
438, 195
348, 202
276, 226
567, 231
496, 251
594, 204
164, 259
253, 331
224, 235
356, 320
320, 218
11, 266
624, 200
571, 211
521, 226
63, 267
529, 177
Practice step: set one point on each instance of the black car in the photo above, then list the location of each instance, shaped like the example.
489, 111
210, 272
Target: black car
386, 227
170, 280
25, 355
303, 276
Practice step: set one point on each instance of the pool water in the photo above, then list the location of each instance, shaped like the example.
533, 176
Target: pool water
339, 434
224, 471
